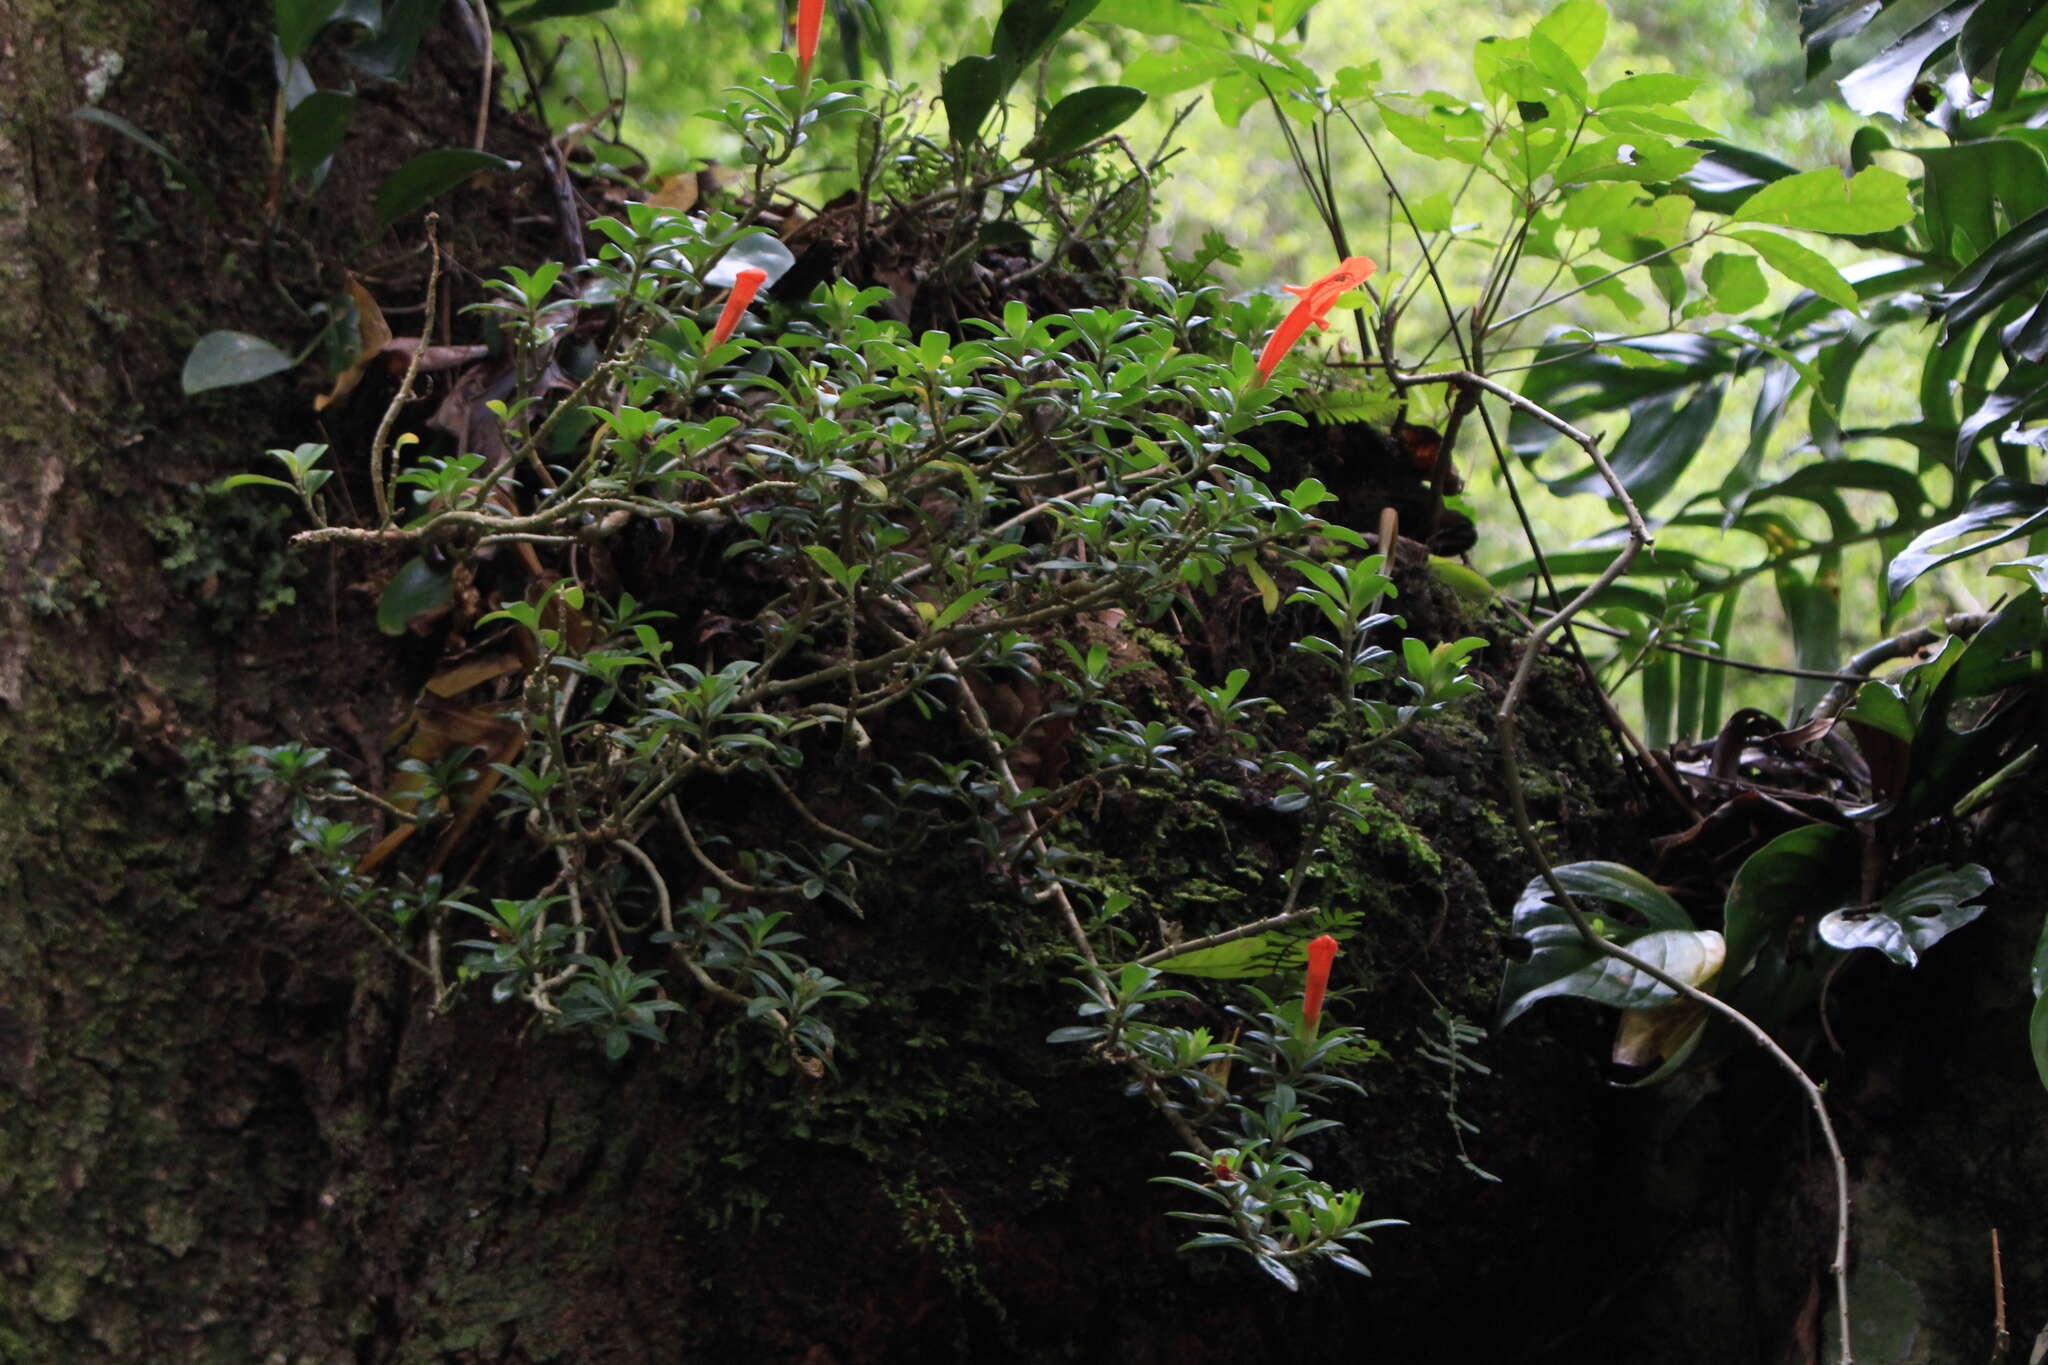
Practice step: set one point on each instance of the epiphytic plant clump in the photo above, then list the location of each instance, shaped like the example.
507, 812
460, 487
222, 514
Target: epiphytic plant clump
955, 527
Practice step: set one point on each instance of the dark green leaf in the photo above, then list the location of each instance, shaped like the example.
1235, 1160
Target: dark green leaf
970, 88
388, 51
2038, 972
1918, 914
2015, 266
1082, 117
1800, 873
430, 175
1028, 27
1560, 963
1725, 175
314, 129
2008, 509
221, 359
418, 589
1973, 191
298, 23
2037, 1037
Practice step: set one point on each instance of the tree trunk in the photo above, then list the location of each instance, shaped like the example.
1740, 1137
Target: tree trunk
229, 1128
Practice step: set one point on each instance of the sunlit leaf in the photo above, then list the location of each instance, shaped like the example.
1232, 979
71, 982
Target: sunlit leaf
1824, 201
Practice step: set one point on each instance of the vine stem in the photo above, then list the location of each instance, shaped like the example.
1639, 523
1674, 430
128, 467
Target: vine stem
1507, 719
380, 448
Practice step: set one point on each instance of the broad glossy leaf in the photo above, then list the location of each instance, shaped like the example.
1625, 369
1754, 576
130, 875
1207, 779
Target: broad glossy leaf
1824, 201
1559, 956
1881, 85
2016, 265
430, 175
1823, 23
1919, 913
2001, 40
222, 359
1800, 873
1082, 117
2006, 509
1687, 954
1973, 191
2037, 1038
2038, 973
1725, 176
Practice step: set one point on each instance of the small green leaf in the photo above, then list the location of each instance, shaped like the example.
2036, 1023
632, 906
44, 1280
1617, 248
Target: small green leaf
245, 480
1577, 26
394, 39
1874, 200
1652, 87
430, 175
1736, 282
223, 359
418, 589
1798, 264
1082, 117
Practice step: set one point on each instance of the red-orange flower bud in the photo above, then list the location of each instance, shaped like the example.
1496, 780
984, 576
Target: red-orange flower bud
745, 285
1322, 951
810, 17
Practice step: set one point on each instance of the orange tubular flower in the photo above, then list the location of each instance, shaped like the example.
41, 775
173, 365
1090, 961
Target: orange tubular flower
810, 17
1316, 302
744, 287
1321, 953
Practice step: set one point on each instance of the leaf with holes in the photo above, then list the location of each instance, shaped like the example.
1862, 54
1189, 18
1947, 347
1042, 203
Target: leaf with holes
1923, 910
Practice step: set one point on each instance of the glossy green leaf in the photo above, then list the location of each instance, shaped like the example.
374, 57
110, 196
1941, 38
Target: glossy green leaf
1082, 117
298, 22
1560, 963
222, 359
417, 589
1882, 84
1919, 913
428, 176
2037, 972
2005, 509
1800, 265
2015, 266
1824, 201
1974, 191
1801, 873
2037, 1038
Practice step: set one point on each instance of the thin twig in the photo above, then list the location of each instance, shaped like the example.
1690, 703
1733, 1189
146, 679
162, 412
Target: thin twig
380, 448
